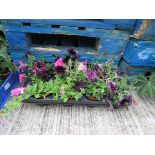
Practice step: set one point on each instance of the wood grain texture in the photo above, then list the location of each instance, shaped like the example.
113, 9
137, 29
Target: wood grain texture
80, 120
122, 24
145, 30
135, 70
140, 53
84, 54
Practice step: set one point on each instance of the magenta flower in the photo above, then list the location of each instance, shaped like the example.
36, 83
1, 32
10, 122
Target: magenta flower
17, 91
39, 67
26, 54
21, 66
79, 85
82, 66
71, 52
112, 87
91, 75
59, 62
59, 70
62, 90
126, 99
72, 55
21, 77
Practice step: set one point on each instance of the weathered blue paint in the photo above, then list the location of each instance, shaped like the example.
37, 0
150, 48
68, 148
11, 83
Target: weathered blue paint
115, 38
112, 42
145, 30
135, 70
17, 40
17, 55
123, 24
140, 53
90, 32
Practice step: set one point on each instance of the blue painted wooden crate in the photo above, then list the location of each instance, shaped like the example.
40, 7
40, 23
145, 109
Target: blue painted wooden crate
6, 87
135, 70
92, 39
140, 53
145, 30
139, 56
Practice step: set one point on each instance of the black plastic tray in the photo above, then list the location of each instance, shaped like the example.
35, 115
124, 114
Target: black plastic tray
83, 101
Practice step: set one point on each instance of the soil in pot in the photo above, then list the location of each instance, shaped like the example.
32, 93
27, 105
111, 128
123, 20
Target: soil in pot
92, 98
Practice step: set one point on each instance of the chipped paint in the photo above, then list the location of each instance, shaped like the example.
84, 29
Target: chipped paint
142, 28
145, 54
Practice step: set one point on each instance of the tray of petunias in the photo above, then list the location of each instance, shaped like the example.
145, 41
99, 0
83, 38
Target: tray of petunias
68, 81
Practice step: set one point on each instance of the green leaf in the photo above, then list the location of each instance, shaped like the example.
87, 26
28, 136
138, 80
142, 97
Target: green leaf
37, 95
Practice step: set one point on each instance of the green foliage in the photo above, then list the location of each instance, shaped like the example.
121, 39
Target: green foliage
13, 103
38, 89
67, 82
145, 86
96, 89
76, 81
5, 60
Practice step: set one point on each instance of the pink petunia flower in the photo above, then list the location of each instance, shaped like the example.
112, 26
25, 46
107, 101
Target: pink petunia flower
135, 101
17, 91
1, 122
59, 62
82, 66
62, 90
21, 77
21, 66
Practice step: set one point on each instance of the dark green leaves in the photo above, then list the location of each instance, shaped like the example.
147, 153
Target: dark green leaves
145, 86
5, 60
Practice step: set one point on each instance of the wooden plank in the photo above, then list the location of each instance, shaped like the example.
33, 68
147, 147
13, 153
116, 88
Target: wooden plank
28, 120
122, 24
63, 22
140, 53
112, 43
135, 70
17, 40
80, 120
8, 120
145, 30
91, 32
17, 55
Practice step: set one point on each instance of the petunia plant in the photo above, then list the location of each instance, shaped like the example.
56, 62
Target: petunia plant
68, 78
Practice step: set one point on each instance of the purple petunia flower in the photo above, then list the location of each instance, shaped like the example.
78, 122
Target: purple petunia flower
126, 70
59, 70
26, 54
39, 67
66, 59
91, 75
119, 72
125, 99
72, 55
71, 52
79, 85
112, 87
